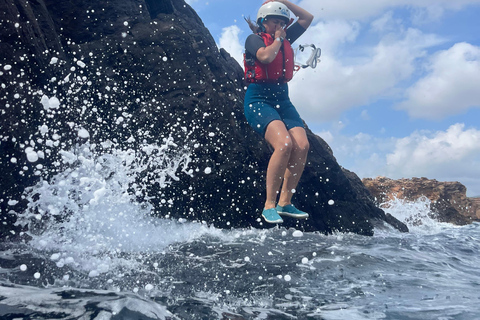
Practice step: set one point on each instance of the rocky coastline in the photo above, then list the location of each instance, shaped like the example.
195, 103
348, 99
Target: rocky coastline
449, 201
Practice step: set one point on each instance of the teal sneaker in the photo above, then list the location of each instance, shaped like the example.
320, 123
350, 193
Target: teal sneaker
290, 211
271, 216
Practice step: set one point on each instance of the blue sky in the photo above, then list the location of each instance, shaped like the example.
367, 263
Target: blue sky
397, 91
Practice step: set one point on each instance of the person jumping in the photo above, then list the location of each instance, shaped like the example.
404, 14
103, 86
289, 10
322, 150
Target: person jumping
269, 65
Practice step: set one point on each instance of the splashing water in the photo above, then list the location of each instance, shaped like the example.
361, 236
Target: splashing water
90, 212
88, 215
417, 215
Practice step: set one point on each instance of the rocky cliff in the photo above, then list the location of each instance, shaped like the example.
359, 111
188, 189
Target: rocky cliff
81, 74
449, 201
476, 202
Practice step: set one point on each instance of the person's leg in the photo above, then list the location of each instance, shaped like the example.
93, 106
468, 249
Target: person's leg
296, 164
279, 138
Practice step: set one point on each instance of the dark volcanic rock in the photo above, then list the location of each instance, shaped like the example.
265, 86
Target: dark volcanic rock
449, 201
140, 72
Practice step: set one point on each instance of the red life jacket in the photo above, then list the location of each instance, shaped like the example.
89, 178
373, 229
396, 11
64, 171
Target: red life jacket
279, 70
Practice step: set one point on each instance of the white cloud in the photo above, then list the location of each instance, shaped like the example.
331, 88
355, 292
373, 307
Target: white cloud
361, 77
332, 34
230, 41
387, 23
360, 10
426, 152
432, 13
347, 9
451, 155
364, 115
450, 88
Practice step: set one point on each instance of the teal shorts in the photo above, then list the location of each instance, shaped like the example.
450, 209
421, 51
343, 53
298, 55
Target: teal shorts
266, 102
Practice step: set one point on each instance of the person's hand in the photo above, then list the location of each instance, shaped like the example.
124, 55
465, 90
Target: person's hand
280, 32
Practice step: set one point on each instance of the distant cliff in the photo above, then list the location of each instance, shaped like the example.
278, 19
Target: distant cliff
449, 199
137, 72
476, 201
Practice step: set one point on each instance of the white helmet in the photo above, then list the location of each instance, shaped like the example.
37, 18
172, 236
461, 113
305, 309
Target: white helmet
273, 8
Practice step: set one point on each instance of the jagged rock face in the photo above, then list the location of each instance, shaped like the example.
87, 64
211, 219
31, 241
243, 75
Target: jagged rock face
449, 199
132, 73
476, 202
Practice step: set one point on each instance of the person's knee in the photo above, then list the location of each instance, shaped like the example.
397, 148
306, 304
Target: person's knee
286, 145
302, 145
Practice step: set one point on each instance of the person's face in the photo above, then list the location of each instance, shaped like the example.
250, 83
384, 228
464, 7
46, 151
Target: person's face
273, 24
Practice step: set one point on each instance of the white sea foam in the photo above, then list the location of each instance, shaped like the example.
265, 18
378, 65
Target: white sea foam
109, 304
417, 215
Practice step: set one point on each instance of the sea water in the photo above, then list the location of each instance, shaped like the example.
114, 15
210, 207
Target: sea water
95, 251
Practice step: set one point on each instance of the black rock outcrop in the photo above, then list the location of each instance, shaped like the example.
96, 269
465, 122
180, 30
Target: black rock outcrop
138, 72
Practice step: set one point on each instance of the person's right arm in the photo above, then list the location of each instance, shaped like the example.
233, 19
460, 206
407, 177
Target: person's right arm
267, 54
